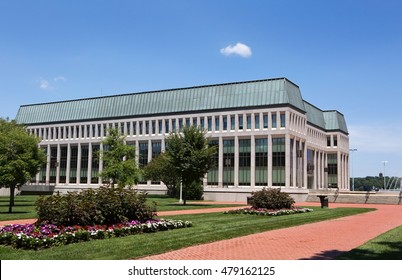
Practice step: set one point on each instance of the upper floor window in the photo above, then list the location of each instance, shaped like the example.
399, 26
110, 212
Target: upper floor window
283, 120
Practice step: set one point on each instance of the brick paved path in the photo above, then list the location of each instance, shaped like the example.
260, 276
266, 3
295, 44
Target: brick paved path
321, 240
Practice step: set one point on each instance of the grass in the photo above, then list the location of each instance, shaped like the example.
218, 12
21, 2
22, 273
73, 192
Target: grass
25, 206
387, 246
207, 228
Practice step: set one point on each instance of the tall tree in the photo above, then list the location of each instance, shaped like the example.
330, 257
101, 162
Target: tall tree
20, 157
120, 166
190, 156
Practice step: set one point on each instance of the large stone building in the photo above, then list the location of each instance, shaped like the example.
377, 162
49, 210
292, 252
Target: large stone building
265, 133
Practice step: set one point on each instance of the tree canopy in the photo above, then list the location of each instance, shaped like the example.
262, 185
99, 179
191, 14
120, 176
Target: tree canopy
189, 155
119, 165
20, 156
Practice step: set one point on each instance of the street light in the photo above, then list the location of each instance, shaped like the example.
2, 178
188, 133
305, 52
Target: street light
353, 178
383, 173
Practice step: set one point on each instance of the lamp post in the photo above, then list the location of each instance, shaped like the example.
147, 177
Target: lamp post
181, 191
383, 173
353, 178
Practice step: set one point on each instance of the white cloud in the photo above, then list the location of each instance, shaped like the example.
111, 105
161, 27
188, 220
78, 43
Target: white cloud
59, 78
238, 49
45, 84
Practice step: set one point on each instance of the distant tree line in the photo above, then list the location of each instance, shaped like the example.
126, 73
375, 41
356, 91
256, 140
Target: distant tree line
371, 183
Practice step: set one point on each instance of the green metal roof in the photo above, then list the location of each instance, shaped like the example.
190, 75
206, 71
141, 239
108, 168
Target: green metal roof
335, 121
259, 93
212, 97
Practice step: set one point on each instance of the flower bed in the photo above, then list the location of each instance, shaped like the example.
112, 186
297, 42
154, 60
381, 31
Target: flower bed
269, 212
34, 237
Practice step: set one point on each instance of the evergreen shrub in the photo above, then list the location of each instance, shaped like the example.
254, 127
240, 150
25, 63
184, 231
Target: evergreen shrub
271, 199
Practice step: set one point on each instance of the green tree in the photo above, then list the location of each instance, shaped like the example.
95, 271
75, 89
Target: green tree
190, 156
119, 162
160, 169
20, 157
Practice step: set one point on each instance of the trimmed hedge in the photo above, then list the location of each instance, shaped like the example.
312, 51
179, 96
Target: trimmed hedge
102, 206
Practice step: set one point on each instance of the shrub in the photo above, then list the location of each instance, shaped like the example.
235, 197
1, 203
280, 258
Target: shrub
271, 199
195, 191
103, 206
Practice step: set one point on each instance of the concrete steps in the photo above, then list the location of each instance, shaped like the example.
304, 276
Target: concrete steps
359, 197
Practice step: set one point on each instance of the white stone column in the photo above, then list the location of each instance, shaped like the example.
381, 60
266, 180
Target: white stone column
295, 165
58, 165
304, 165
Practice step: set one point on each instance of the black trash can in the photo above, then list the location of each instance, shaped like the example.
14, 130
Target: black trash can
323, 200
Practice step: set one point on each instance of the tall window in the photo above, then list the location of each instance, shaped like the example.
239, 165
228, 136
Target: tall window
283, 120
174, 128
261, 162
228, 162
95, 164
332, 170
156, 151
240, 122
143, 157
248, 121
274, 124
209, 123
213, 171
232, 122
188, 122
257, 121
202, 123
84, 164
53, 164
180, 124
265, 120
278, 161
217, 128
73, 164
244, 161
225, 122
167, 130
153, 127
63, 164
160, 127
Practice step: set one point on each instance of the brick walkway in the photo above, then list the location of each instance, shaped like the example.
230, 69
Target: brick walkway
321, 240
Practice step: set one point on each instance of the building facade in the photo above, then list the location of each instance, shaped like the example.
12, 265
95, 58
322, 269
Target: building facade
265, 133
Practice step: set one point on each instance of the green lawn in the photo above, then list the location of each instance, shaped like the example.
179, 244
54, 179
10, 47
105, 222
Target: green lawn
24, 206
207, 228
387, 246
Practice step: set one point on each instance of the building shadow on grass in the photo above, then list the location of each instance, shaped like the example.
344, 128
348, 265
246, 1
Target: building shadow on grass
383, 251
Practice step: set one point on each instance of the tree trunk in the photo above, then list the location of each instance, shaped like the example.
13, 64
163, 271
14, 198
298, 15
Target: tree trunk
12, 190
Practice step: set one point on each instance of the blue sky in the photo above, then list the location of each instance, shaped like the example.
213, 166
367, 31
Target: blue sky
344, 55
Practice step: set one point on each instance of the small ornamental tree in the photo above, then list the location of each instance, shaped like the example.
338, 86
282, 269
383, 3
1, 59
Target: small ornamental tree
20, 157
161, 169
119, 165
